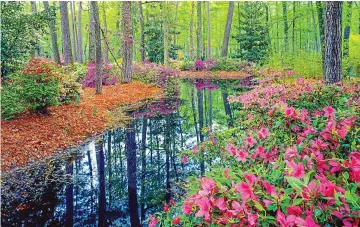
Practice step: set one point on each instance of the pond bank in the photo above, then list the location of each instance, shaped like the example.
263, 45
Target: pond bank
32, 137
219, 75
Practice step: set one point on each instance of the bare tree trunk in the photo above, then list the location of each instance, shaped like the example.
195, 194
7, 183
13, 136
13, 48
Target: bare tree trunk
201, 125
143, 167
101, 172
98, 57
315, 28
126, 72
321, 17
69, 219
73, 23
286, 26
199, 38
209, 31
227, 107
91, 36
65, 30
55, 48
194, 113
106, 49
347, 29
225, 44
167, 158
118, 28
192, 31
131, 170
37, 50
210, 109
333, 31
80, 49
142, 36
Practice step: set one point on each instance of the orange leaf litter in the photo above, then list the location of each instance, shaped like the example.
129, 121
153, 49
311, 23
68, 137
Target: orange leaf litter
32, 137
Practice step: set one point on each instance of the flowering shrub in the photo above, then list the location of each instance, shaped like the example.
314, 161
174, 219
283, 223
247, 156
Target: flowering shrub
69, 89
107, 77
215, 65
293, 162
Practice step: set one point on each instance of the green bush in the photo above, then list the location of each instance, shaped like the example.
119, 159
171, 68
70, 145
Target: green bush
11, 101
69, 89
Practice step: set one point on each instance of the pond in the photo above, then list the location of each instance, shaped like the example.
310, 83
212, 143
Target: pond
140, 163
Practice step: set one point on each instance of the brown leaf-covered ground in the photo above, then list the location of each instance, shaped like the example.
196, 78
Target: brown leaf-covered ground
32, 137
220, 75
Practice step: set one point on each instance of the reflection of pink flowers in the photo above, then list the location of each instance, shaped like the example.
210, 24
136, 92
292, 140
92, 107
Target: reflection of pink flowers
184, 159
153, 221
195, 149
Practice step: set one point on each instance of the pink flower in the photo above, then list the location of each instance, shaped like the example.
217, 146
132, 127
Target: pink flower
153, 221
175, 221
251, 178
226, 173
252, 219
329, 111
196, 149
285, 221
220, 203
294, 210
290, 153
207, 184
241, 156
232, 149
270, 189
166, 208
187, 206
204, 206
246, 190
290, 112
263, 133
184, 159
297, 170
250, 141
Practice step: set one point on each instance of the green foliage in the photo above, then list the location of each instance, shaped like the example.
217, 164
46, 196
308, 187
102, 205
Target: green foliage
11, 101
19, 32
252, 34
69, 89
76, 70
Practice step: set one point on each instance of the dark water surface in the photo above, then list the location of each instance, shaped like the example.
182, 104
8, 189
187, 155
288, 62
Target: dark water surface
92, 185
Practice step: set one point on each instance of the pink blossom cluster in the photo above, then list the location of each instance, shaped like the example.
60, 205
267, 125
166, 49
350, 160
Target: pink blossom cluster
90, 77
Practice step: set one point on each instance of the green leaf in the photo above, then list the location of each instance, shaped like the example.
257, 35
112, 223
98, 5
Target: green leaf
295, 183
297, 201
259, 206
307, 177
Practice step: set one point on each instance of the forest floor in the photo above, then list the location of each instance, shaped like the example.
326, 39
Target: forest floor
32, 137
219, 75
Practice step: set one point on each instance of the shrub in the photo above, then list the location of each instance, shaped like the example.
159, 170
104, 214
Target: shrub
76, 70
11, 100
69, 89
187, 65
107, 77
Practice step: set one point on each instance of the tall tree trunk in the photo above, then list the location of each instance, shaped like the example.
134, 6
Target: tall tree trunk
69, 218
109, 155
176, 19
126, 72
293, 27
286, 26
37, 50
227, 107
65, 30
73, 23
142, 36
166, 36
333, 31
321, 17
79, 34
118, 28
55, 48
143, 167
167, 158
106, 48
192, 30
210, 109
194, 113
91, 36
131, 171
314, 27
268, 25
208, 31
101, 169
225, 44
201, 125
347, 29
98, 57
199, 39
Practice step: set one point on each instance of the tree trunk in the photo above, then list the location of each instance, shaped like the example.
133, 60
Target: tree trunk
321, 17
101, 171
69, 218
192, 31
91, 36
167, 158
201, 125
109, 155
194, 113
131, 169
314, 27
73, 23
208, 31
37, 51
333, 33
227, 107
225, 44
143, 167
118, 28
210, 110
286, 26
80, 49
65, 30
166, 37
53, 35
106, 48
199, 45
293, 27
126, 72
347, 29
142, 36
98, 57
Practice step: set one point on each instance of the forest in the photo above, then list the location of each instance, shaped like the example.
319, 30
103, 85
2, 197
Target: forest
180, 113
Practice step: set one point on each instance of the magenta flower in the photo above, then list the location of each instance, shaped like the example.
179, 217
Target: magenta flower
204, 205
153, 221
207, 184
290, 112
241, 156
250, 141
297, 170
184, 159
220, 203
270, 189
263, 133
290, 153
329, 111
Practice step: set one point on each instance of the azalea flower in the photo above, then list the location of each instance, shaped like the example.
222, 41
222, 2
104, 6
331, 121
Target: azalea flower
297, 170
251, 178
220, 203
166, 208
290, 112
241, 156
204, 205
196, 149
184, 159
329, 111
290, 153
250, 141
285, 221
153, 221
263, 133
232, 149
188, 204
270, 189
176, 221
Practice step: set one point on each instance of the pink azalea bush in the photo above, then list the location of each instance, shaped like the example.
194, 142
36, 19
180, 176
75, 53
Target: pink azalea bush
292, 160
107, 76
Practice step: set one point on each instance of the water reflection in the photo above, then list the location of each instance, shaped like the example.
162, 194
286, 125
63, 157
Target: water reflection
121, 176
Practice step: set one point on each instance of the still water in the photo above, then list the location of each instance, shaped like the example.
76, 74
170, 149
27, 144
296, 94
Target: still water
141, 163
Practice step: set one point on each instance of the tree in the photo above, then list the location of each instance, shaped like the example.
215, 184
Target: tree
126, 71
91, 36
55, 48
192, 30
98, 54
37, 50
106, 49
208, 31
166, 33
347, 29
225, 44
286, 26
74, 35
142, 41
333, 31
65, 30
79, 35
321, 17
199, 42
